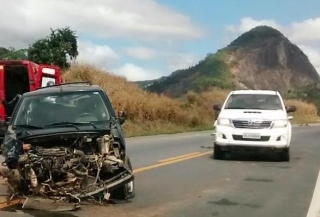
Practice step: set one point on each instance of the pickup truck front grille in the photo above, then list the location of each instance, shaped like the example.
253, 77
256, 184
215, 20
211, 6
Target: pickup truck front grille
251, 124
240, 138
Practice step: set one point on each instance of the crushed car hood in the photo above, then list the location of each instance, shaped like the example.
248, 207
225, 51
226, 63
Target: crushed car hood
22, 133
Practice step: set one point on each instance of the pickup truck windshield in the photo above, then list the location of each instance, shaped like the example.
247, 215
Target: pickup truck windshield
64, 107
254, 101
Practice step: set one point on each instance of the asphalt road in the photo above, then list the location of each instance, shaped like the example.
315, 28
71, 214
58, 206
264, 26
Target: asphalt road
197, 185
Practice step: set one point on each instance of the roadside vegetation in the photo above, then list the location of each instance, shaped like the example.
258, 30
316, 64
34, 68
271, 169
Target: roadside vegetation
150, 113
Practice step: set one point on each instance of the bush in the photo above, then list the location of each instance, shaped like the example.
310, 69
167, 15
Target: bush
306, 112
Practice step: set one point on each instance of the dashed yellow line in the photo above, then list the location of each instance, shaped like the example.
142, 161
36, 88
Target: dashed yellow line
178, 157
170, 162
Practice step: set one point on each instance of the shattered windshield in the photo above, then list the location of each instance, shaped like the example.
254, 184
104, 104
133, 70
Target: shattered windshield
70, 107
254, 101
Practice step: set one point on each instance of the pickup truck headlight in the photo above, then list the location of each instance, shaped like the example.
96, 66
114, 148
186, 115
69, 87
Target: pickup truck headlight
280, 123
223, 122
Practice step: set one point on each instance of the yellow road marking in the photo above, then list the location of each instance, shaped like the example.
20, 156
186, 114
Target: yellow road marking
4, 204
170, 162
177, 157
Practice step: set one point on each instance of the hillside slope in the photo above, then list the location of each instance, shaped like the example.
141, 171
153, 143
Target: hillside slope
262, 58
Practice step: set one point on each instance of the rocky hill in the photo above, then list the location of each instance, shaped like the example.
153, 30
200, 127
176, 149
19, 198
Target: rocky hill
262, 58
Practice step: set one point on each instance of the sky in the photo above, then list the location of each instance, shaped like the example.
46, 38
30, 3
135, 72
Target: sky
147, 39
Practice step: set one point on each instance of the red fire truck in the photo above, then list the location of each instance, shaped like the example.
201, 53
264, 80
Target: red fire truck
18, 77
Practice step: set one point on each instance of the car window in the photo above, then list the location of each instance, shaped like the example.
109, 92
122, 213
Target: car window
254, 101
79, 106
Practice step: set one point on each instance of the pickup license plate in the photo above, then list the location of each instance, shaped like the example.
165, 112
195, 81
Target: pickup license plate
251, 136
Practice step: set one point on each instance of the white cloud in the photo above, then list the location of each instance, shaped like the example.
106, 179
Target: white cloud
142, 53
105, 58
313, 55
248, 23
173, 60
27, 20
136, 73
138, 20
305, 34
99, 55
307, 30
181, 61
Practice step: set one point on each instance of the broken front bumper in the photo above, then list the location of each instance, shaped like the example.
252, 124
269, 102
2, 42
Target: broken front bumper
109, 185
60, 204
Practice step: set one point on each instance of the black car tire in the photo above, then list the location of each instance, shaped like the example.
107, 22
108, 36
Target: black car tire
217, 152
128, 190
284, 155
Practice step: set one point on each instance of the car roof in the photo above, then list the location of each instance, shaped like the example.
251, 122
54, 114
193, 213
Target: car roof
65, 87
269, 92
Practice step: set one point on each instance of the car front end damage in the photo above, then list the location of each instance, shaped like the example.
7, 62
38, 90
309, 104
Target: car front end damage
66, 169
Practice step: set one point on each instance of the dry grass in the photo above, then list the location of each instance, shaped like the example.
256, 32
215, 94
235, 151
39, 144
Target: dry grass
147, 113
306, 112
152, 114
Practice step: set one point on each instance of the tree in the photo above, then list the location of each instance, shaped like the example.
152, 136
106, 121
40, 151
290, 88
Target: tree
13, 54
4, 51
55, 49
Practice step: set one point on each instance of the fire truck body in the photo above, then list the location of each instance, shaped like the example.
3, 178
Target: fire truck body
20, 76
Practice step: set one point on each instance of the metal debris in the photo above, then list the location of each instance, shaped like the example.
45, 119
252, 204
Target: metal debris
59, 178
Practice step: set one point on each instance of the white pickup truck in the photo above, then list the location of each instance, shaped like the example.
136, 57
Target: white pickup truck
253, 120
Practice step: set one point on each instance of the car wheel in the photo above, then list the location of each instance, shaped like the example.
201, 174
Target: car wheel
128, 190
285, 155
217, 152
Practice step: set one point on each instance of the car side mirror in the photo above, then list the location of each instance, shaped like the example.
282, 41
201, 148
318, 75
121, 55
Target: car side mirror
217, 107
122, 117
290, 118
291, 108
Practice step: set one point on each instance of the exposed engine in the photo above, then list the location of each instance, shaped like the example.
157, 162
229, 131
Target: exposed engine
72, 170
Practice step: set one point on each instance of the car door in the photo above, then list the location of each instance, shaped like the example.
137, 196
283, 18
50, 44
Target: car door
48, 75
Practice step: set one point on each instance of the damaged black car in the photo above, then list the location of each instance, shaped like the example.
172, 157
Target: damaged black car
65, 144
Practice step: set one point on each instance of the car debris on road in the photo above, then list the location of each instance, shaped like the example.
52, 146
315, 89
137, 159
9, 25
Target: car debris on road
76, 152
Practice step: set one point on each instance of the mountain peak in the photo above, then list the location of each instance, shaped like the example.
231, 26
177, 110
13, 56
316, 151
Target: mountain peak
261, 58
257, 36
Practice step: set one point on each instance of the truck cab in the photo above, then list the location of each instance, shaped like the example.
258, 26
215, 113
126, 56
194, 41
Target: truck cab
21, 76
253, 120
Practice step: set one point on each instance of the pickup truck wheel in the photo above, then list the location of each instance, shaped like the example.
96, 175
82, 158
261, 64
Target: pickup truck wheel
128, 190
285, 155
217, 152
